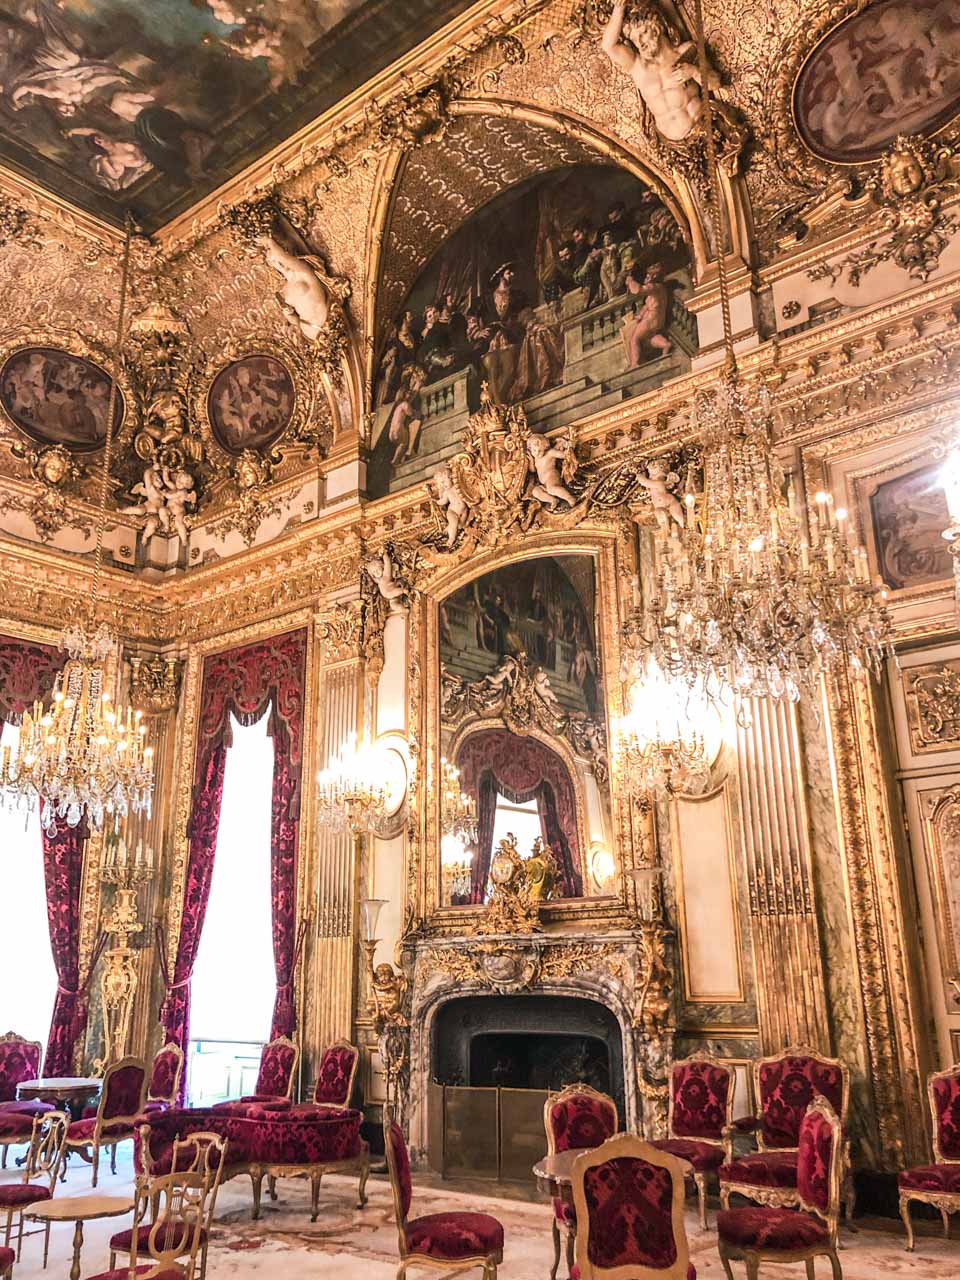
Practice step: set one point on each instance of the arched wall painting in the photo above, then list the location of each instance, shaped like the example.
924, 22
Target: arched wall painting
58, 398
893, 68
250, 403
564, 293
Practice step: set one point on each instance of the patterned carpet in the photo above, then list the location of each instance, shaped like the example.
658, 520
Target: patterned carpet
351, 1244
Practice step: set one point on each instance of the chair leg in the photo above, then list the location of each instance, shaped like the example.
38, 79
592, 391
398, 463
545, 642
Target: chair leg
556, 1249
20, 1235
489, 1270
724, 1260
113, 1159
257, 1180
46, 1245
724, 1196
946, 1223
811, 1273
362, 1184
96, 1162
701, 1185
905, 1215
315, 1180
835, 1264
272, 1187
753, 1266
7, 1229
203, 1260
569, 1252
4, 1164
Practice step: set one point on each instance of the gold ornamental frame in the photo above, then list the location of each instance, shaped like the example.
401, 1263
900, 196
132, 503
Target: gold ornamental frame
631, 829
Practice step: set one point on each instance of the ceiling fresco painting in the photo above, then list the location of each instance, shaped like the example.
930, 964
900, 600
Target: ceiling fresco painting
892, 68
116, 103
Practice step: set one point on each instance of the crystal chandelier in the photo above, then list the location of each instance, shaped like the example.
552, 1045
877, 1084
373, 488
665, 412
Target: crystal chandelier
747, 600
81, 758
661, 747
458, 812
350, 792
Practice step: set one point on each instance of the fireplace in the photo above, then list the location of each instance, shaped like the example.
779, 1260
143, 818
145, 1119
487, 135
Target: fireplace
494, 1060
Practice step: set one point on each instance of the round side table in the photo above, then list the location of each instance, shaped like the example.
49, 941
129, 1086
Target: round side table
69, 1093
78, 1209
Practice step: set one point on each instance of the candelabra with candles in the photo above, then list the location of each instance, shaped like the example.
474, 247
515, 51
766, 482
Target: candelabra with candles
125, 869
350, 791
388, 997
661, 748
458, 834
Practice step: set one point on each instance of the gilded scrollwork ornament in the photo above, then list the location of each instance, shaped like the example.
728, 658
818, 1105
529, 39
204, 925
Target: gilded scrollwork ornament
154, 683
418, 116
56, 471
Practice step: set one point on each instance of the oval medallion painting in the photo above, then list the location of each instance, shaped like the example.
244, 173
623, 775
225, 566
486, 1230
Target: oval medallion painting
250, 403
57, 398
892, 68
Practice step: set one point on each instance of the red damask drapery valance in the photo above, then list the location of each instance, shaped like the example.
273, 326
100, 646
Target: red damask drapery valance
266, 677
27, 673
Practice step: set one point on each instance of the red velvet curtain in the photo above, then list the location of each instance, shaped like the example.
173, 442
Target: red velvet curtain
245, 683
27, 674
522, 769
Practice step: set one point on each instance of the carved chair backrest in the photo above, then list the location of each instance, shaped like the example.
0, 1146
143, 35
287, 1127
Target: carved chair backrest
336, 1074
943, 1090
629, 1202
123, 1092
165, 1074
785, 1085
178, 1206
48, 1141
819, 1163
398, 1166
19, 1061
278, 1068
701, 1098
577, 1117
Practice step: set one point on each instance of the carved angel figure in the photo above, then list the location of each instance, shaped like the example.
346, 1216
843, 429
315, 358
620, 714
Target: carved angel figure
546, 462
381, 570
308, 292
451, 500
666, 505
389, 995
180, 494
541, 685
667, 80
154, 504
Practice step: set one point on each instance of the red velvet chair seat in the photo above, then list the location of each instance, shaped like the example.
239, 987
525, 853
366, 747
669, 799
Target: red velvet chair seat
26, 1107
454, 1235
16, 1126
931, 1177
7, 1258
575, 1272
15, 1194
123, 1273
704, 1156
123, 1240
82, 1130
758, 1228
762, 1169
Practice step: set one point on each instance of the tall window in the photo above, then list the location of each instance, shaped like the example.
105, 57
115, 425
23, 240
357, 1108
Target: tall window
29, 982
234, 979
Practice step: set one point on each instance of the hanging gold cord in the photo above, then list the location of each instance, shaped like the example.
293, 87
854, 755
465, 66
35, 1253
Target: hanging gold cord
111, 412
716, 202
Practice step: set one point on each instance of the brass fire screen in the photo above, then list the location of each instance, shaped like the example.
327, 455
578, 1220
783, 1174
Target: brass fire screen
486, 1132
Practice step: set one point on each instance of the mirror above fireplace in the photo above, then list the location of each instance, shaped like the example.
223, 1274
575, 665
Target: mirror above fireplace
523, 729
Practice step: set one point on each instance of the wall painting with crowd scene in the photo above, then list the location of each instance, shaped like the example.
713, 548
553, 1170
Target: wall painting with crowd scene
565, 294
889, 68
58, 398
523, 719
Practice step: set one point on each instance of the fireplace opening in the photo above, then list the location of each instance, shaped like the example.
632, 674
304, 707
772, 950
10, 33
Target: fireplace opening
494, 1059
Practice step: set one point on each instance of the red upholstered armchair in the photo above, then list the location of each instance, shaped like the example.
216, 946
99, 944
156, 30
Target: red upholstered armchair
336, 1074
628, 1198
937, 1184
121, 1103
699, 1120
785, 1085
794, 1235
445, 1241
19, 1061
278, 1070
165, 1075
577, 1117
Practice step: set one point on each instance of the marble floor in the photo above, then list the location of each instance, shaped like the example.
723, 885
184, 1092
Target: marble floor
351, 1244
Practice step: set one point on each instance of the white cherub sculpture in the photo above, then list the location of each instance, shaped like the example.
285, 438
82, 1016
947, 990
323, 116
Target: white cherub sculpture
154, 504
381, 570
305, 295
180, 494
541, 685
666, 505
450, 499
546, 462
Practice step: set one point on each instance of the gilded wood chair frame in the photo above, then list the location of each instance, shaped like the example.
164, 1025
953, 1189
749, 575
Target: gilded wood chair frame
12, 1037
167, 1048
101, 1136
180, 1197
947, 1202
203, 1143
341, 1044
628, 1145
489, 1261
563, 1235
725, 1143
45, 1158
788, 1197
753, 1257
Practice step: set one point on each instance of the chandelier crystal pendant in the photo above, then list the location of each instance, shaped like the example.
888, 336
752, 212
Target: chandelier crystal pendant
80, 757
458, 812
748, 599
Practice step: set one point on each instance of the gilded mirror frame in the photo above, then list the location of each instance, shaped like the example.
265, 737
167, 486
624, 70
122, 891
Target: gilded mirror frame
605, 545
